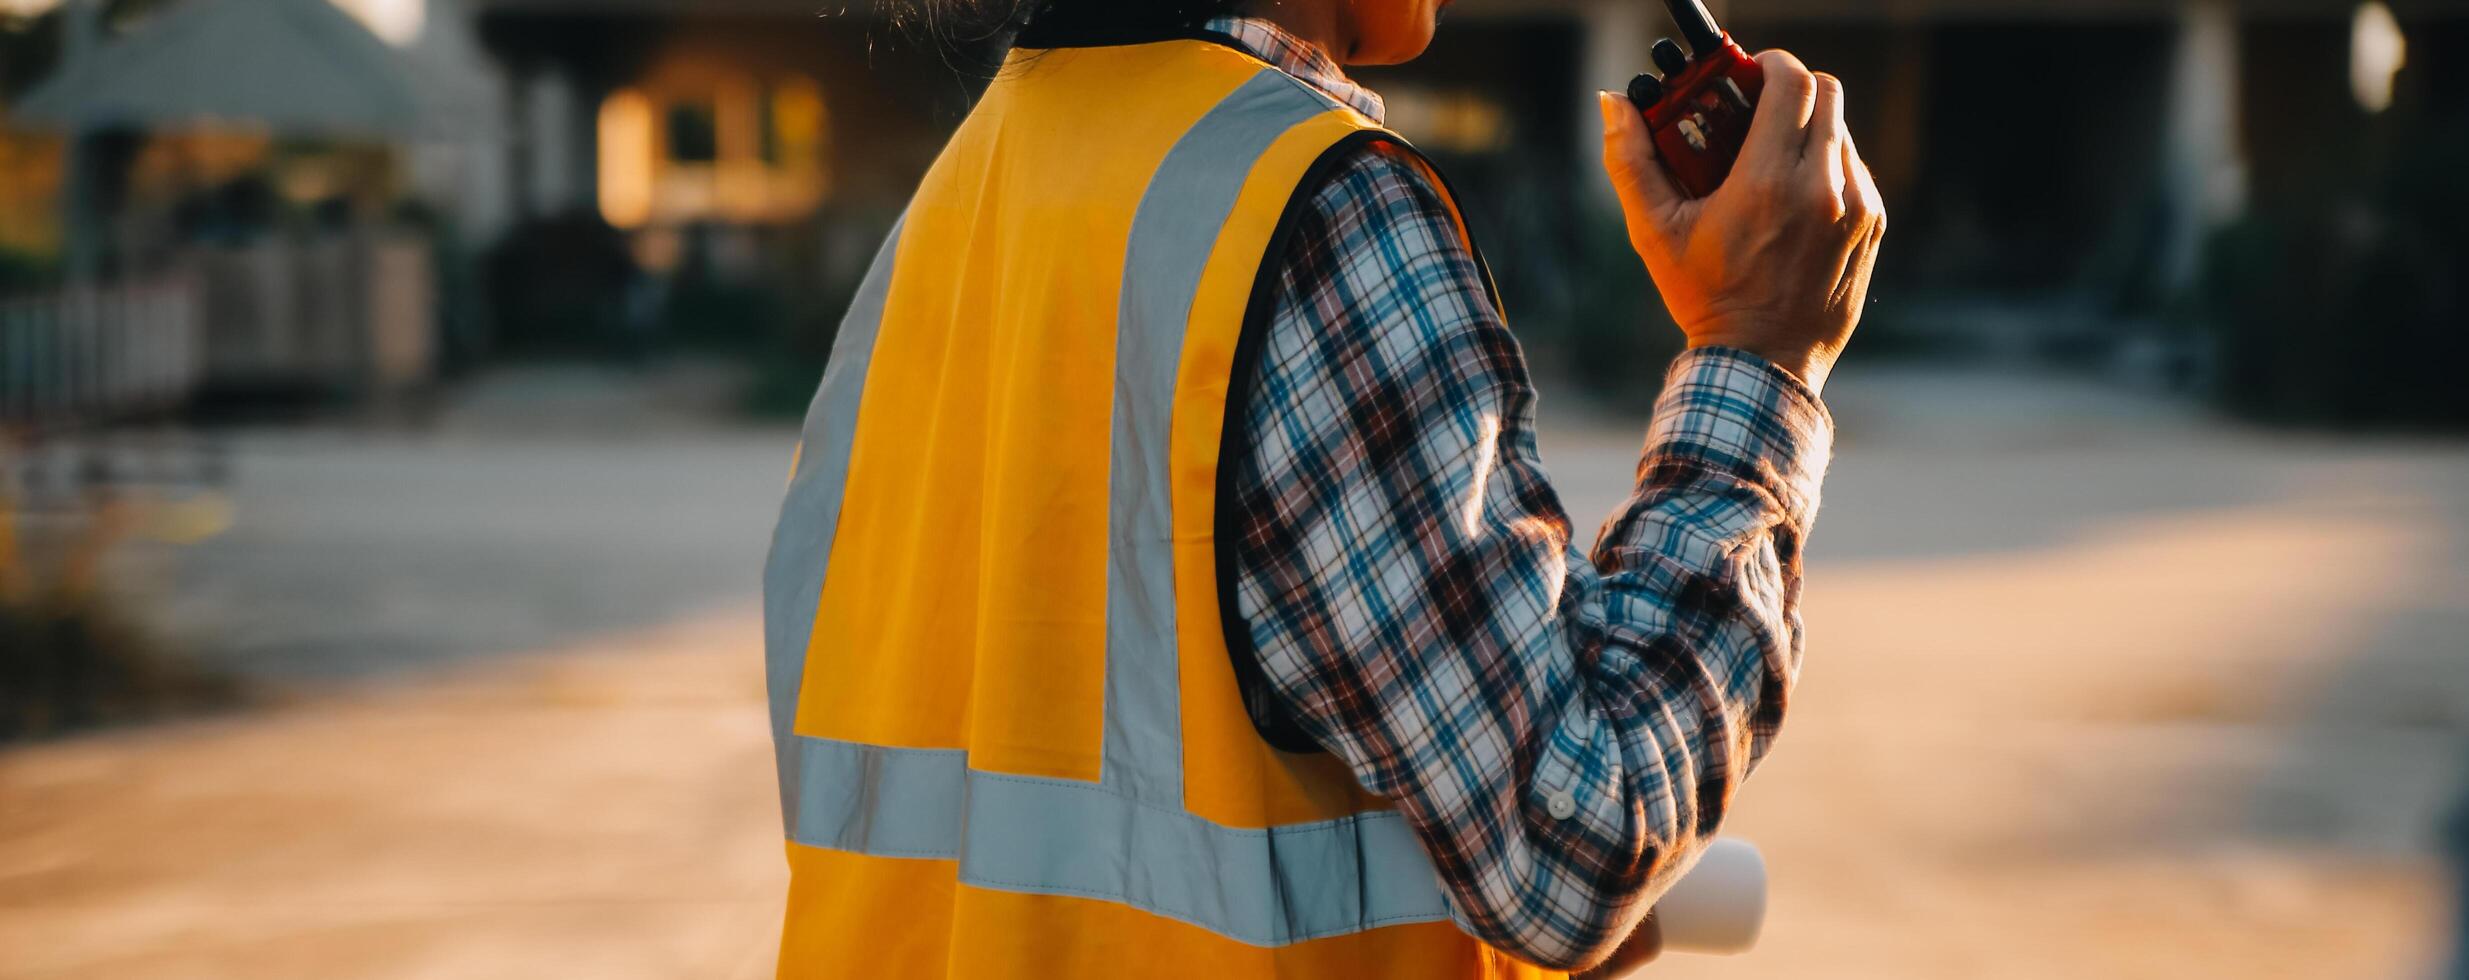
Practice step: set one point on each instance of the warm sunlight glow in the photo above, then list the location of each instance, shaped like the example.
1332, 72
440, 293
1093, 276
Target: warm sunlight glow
1462, 121
397, 22
2377, 52
626, 159
799, 125
801, 134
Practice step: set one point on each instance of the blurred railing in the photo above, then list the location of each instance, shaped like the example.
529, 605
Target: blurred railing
92, 353
344, 315
354, 313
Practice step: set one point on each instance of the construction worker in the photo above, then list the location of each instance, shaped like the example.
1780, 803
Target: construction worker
1169, 587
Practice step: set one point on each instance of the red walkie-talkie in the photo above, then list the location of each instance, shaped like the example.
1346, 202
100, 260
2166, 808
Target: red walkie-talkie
1699, 110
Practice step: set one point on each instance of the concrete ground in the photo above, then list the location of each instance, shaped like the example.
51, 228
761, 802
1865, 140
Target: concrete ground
2096, 688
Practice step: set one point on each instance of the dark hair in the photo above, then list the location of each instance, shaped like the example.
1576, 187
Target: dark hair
969, 21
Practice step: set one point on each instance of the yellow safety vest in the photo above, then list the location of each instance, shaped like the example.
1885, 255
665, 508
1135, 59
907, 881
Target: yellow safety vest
1011, 739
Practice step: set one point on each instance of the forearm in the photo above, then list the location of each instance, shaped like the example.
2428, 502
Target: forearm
1707, 552
1702, 636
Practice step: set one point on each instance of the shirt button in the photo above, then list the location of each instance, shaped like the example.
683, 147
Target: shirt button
1561, 804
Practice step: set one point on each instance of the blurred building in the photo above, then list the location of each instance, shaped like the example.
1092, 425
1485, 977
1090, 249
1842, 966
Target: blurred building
722, 139
2052, 164
2030, 145
619, 170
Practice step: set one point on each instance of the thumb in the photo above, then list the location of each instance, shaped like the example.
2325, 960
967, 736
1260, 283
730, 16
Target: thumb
1647, 195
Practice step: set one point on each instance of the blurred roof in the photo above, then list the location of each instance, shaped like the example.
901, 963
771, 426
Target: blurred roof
290, 65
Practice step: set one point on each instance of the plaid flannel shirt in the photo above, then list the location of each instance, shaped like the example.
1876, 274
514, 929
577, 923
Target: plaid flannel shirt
1563, 732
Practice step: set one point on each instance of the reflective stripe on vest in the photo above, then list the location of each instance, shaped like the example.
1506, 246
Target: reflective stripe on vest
985, 683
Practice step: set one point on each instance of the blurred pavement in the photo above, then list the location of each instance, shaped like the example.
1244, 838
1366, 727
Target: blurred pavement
2096, 688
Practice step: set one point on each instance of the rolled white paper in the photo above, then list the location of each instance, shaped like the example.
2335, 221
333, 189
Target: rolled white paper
1720, 906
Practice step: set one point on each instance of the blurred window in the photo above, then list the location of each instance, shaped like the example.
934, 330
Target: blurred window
694, 131
735, 148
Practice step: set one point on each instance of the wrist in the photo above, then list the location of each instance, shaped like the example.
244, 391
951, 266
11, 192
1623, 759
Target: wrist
1808, 364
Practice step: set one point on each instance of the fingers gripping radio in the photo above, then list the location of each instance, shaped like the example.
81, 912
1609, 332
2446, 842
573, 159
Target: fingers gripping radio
1699, 108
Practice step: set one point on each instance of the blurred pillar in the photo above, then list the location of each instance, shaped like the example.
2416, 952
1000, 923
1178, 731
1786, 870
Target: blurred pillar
2456, 840
552, 126
2204, 175
1894, 145
1617, 35
81, 25
470, 173
81, 226
518, 145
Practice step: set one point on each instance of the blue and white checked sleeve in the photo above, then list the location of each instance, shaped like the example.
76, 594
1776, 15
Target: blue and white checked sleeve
1564, 730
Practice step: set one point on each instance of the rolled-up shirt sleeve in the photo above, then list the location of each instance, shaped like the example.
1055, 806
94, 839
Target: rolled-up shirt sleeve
1563, 728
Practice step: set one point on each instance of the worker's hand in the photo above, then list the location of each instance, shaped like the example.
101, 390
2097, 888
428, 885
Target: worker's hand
1776, 261
1643, 945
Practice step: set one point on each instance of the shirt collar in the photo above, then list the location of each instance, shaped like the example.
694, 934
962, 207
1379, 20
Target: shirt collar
1303, 60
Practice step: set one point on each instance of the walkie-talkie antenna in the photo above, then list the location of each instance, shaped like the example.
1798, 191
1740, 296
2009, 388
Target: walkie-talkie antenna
1697, 25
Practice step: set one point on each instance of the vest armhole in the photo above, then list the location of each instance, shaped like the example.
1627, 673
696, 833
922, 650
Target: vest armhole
1465, 225
1272, 716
